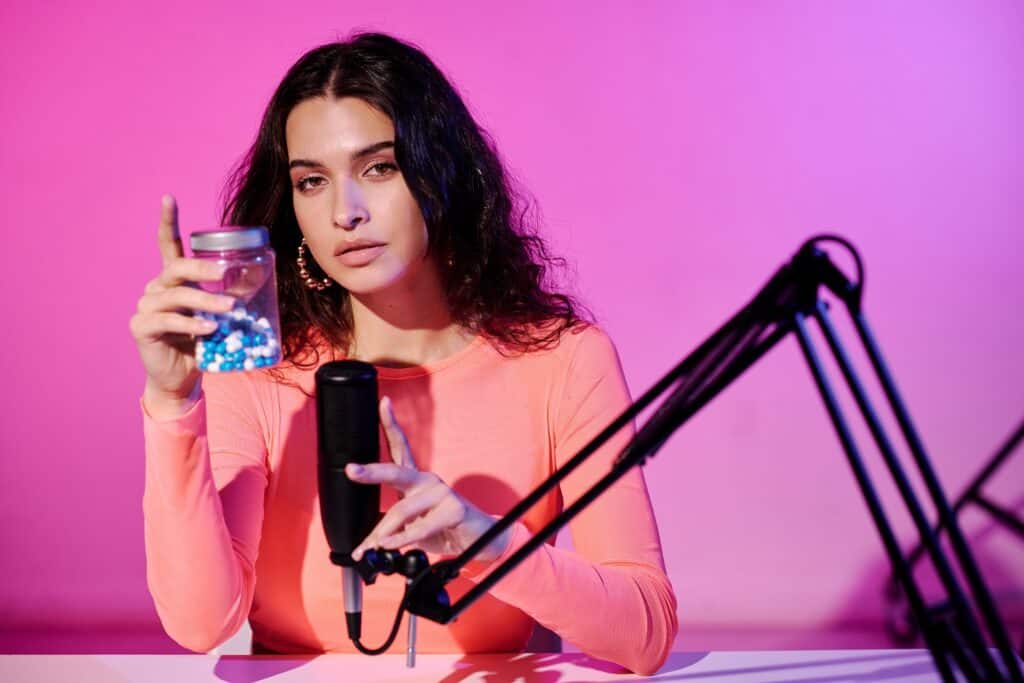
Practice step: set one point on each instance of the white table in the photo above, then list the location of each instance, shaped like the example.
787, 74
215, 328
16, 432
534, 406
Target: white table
817, 666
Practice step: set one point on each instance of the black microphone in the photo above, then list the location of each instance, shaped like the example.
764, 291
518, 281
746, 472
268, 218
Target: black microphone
348, 428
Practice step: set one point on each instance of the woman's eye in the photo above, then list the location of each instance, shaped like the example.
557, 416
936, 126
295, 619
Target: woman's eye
381, 168
308, 182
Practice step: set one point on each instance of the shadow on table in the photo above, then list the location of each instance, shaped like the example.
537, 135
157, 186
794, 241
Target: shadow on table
497, 668
249, 669
890, 665
537, 667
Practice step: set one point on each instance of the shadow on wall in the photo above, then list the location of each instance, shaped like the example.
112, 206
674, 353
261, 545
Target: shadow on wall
999, 555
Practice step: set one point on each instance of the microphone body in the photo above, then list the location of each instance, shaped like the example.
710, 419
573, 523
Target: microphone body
348, 428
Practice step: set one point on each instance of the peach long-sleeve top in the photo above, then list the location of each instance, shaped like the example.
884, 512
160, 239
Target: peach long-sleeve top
233, 529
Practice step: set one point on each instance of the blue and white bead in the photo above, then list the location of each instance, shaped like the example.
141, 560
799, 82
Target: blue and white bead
241, 342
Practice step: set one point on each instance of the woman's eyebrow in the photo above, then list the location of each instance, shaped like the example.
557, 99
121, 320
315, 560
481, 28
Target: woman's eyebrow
364, 152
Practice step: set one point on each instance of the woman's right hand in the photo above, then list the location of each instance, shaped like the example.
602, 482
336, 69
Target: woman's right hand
163, 326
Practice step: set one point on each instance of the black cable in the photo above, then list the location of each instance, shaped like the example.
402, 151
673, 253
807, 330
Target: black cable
394, 631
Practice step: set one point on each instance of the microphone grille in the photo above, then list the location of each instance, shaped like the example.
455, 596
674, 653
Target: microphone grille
347, 419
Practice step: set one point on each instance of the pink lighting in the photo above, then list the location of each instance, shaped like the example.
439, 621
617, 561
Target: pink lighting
678, 152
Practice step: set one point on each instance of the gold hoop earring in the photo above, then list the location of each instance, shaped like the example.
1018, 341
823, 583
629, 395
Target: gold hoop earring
304, 274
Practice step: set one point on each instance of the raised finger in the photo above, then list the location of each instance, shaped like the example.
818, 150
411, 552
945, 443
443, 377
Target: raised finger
402, 478
168, 237
398, 445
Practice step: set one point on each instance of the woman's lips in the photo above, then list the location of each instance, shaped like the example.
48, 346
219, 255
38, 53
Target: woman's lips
360, 256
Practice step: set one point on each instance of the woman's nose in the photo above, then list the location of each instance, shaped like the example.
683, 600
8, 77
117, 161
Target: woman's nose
349, 206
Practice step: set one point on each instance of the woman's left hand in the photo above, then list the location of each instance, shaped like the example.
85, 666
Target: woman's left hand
429, 515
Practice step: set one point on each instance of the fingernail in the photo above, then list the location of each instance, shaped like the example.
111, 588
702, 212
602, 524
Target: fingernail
354, 470
167, 200
357, 554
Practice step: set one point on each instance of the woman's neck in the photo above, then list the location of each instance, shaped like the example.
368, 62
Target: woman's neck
405, 326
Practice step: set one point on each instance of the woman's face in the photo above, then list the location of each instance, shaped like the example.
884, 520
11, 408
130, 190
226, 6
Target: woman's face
362, 224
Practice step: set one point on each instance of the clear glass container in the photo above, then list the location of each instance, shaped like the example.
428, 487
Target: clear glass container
249, 336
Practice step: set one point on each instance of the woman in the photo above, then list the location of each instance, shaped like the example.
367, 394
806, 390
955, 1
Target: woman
400, 244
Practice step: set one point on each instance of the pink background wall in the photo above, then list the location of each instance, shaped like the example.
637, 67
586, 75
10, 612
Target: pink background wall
679, 151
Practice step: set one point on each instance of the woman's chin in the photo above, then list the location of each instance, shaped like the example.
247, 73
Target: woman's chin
367, 283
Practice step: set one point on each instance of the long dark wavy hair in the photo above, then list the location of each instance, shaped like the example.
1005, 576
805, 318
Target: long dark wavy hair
495, 269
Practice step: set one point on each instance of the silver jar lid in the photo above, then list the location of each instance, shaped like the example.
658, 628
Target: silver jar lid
230, 239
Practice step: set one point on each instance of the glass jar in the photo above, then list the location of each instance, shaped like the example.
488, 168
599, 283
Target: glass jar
249, 336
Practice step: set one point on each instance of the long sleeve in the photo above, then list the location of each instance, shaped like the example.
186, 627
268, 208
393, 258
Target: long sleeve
203, 510
611, 597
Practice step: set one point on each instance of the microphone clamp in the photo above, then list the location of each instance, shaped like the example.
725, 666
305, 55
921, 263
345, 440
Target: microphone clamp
382, 561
